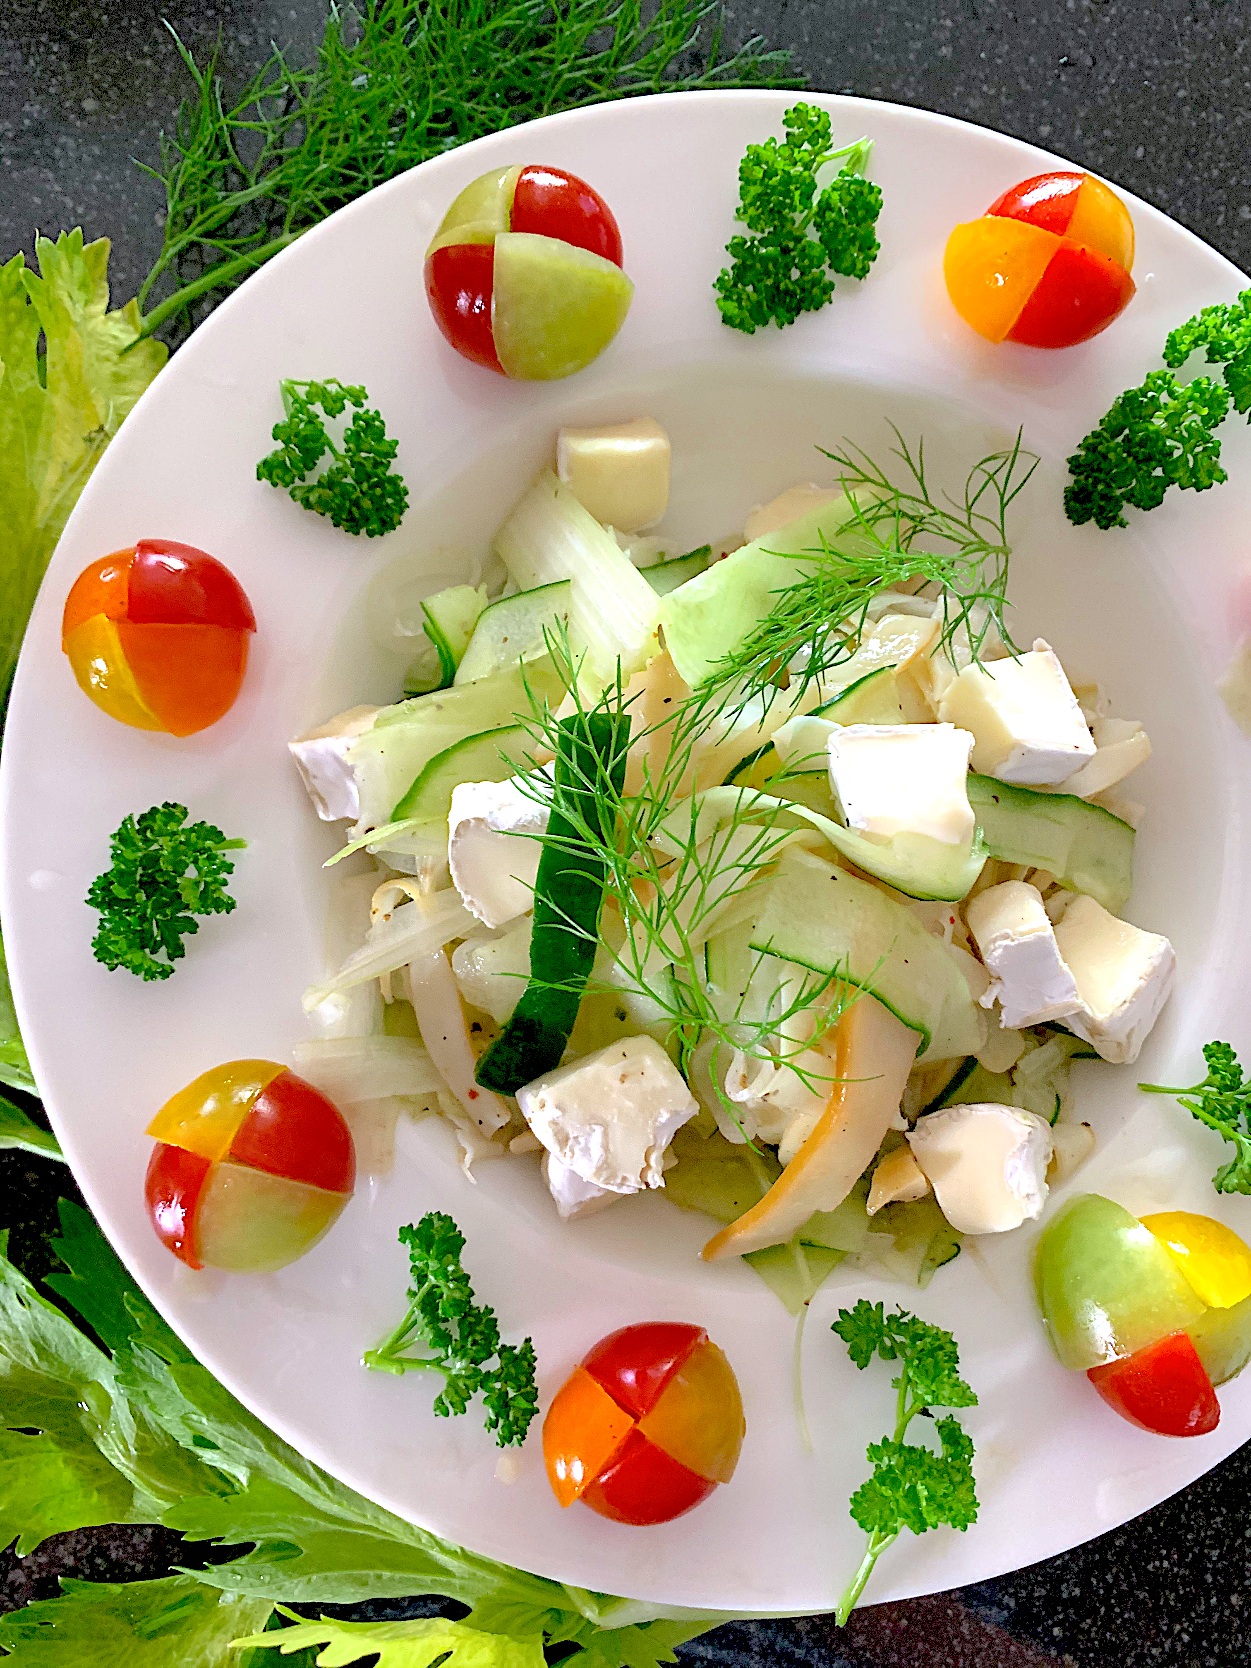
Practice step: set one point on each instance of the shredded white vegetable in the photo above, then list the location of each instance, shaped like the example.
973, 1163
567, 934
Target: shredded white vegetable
355, 1069
414, 929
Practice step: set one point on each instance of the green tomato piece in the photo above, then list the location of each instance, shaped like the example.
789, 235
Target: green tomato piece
555, 307
486, 205
250, 1221
1222, 1339
1105, 1284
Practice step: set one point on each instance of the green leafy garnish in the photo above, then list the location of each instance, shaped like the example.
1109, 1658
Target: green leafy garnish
1163, 433
799, 236
164, 872
900, 533
396, 82
1222, 1102
357, 489
138, 1431
433, 1642
463, 1337
18, 1131
70, 370
912, 1487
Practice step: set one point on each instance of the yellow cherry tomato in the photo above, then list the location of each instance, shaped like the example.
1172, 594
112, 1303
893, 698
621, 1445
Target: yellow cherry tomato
992, 267
1214, 1261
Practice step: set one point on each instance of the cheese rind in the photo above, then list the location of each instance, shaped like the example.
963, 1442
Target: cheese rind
1025, 719
1017, 942
573, 1195
321, 757
610, 1116
986, 1163
493, 850
1123, 977
903, 779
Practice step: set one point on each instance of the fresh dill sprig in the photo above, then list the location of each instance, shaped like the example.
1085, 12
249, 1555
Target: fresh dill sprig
395, 83
674, 874
899, 533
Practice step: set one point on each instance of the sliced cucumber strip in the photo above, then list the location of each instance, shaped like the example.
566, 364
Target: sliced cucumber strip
820, 917
488, 757
709, 616
568, 896
1085, 847
512, 629
664, 577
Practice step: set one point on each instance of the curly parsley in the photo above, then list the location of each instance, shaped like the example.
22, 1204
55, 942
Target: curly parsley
163, 874
1222, 1102
912, 1487
781, 270
462, 1336
1163, 433
357, 490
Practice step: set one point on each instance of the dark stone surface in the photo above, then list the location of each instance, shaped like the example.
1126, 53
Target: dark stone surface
1157, 96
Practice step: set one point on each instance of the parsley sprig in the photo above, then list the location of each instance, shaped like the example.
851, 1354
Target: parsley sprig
163, 873
1163, 433
357, 489
799, 236
462, 1336
912, 1487
1222, 1102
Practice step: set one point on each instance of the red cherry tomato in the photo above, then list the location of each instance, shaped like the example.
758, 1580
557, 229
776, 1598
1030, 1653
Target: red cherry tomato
1047, 265
1163, 1388
524, 274
252, 1166
157, 636
646, 1426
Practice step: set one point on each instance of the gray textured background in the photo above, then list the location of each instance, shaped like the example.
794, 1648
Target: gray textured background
1154, 94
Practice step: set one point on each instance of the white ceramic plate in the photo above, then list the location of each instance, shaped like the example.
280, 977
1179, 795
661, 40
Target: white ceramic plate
1152, 612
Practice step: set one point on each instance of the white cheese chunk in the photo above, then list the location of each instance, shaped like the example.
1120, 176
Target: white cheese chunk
897, 1179
1017, 941
987, 1164
610, 1116
1026, 722
619, 472
321, 756
492, 851
1235, 687
903, 779
788, 506
1123, 977
573, 1195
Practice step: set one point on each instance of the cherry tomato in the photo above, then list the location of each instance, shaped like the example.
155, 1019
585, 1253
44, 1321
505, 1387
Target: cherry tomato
252, 1166
157, 636
524, 274
1047, 265
646, 1426
1163, 1388
1156, 1311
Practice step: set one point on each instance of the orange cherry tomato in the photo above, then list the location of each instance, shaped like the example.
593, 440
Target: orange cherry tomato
1047, 265
252, 1166
646, 1426
157, 636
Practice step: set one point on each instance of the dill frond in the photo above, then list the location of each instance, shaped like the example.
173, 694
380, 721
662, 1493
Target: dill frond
673, 876
901, 532
395, 83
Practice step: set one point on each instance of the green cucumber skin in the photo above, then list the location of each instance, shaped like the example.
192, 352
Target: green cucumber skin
664, 577
463, 761
1097, 856
568, 895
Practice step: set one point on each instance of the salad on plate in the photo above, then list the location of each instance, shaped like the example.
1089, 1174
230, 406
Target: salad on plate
774, 873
